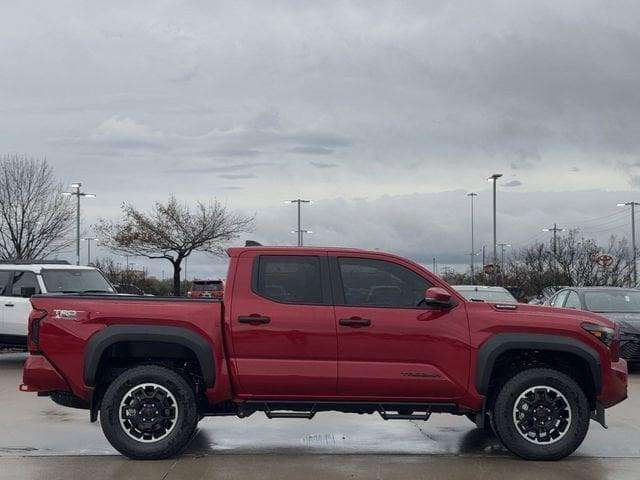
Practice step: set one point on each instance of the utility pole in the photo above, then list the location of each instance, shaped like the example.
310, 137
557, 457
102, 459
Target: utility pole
299, 231
502, 247
484, 262
435, 266
301, 236
494, 178
634, 253
78, 194
555, 231
472, 195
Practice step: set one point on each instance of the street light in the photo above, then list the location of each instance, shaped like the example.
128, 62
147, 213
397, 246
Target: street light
555, 231
633, 238
89, 240
78, 194
301, 235
472, 195
299, 201
494, 178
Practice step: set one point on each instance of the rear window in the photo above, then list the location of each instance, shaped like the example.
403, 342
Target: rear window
207, 286
291, 279
75, 281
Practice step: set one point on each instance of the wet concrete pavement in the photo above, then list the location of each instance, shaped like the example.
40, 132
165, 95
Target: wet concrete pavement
42, 440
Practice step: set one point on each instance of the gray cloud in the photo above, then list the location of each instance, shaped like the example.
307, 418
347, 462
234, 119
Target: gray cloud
512, 183
416, 97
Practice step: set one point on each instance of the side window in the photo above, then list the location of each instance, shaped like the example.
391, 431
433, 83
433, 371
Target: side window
573, 301
5, 277
558, 300
379, 283
290, 279
24, 280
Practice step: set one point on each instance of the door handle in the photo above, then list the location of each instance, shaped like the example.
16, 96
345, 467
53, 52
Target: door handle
254, 320
9, 305
355, 322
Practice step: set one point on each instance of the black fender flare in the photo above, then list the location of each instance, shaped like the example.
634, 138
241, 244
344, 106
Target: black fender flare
502, 342
102, 340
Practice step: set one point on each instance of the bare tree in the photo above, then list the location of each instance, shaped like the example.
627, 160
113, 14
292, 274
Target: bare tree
34, 218
173, 231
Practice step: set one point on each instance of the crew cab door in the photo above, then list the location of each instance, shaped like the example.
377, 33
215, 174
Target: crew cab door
17, 302
388, 345
282, 325
5, 279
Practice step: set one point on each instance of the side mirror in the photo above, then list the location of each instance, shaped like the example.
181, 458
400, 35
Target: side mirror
438, 297
27, 292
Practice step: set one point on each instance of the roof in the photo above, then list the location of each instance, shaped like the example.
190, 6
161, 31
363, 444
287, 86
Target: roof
235, 251
37, 267
595, 289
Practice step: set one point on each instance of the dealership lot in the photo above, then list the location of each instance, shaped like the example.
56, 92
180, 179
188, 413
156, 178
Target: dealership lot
42, 440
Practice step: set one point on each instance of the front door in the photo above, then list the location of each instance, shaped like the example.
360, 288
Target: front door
389, 345
282, 326
17, 305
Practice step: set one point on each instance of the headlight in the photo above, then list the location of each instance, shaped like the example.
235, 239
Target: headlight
605, 334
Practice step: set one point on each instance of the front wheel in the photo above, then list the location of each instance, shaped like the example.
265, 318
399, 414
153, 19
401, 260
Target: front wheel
541, 414
149, 412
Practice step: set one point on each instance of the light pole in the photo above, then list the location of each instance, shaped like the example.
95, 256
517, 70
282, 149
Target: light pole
301, 236
89, 240
472, 195
78, 194
494, 178
299, 231
634, 253
502, 247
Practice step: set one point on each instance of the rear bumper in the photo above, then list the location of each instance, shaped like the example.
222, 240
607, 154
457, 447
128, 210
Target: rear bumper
40, 376
614, 385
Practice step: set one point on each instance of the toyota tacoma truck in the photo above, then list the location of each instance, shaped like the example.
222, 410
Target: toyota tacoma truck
307, 330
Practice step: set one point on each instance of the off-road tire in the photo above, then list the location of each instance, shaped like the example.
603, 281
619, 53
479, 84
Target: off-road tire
505, 415
177, 436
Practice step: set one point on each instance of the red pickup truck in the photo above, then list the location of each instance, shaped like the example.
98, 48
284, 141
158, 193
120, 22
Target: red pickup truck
306, 330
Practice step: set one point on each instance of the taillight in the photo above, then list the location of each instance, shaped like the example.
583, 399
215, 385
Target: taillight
34, 327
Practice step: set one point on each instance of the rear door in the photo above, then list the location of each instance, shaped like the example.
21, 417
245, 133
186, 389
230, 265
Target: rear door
17, 306
282, 326
388, 345
5, 279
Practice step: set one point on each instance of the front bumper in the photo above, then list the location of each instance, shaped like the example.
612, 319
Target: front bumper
614, 384
40, 376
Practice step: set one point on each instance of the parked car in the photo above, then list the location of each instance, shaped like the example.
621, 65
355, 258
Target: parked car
308, 329
206, 289
19, 280
621, 305
483, 293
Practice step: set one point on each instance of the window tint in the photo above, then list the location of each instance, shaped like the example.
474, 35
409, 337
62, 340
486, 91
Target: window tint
573, 301
23, 280
5, 277
380, 283
292, 279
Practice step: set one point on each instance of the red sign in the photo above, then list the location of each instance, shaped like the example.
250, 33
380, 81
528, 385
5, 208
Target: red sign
489, 269
603, 260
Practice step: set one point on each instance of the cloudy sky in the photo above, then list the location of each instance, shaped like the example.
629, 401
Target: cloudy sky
384, 113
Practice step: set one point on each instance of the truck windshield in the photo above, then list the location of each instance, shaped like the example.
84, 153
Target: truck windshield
615, 301
75, 281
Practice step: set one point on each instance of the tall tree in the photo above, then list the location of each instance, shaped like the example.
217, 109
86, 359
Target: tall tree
35, 219
173, 231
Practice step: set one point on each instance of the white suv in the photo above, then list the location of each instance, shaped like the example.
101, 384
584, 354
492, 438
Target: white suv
19, 281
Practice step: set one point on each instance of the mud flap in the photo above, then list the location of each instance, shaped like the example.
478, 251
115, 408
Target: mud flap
598, 415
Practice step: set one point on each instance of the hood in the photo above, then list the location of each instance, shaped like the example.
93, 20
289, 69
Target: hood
628, 322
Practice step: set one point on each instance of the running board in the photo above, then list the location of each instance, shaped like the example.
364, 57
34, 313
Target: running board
307, 415
401, 416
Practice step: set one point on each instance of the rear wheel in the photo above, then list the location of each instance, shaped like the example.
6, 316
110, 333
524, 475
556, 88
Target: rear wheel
541, 414
149, 412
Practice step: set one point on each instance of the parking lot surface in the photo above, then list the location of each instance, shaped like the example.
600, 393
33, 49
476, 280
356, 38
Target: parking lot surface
43, 440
